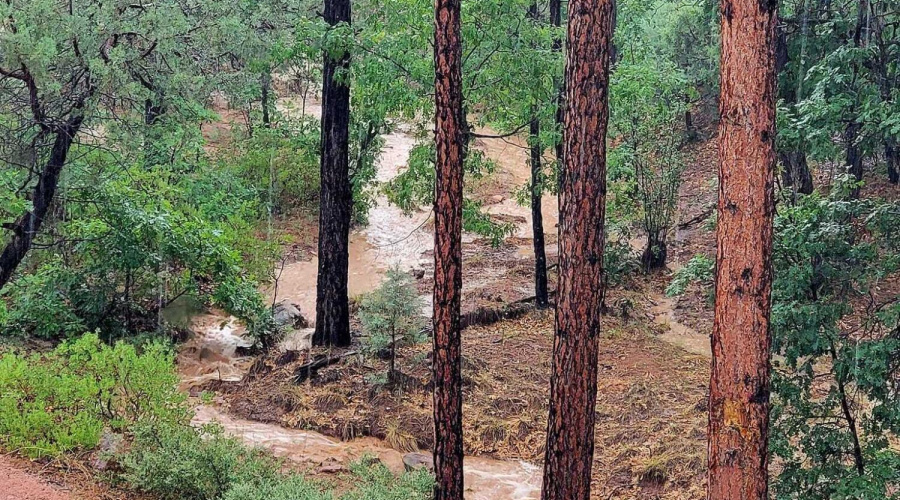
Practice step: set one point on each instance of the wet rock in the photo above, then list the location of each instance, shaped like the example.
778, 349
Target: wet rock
287, 316
297, 340
415, 461
331, 466
109, 447
417, 273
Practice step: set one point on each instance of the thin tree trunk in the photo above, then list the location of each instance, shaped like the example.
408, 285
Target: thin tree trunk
336, 198
26, 227
892, 157
741, 341
541, 298
266, 84
556, 21
854, 159
582, 203
450, 131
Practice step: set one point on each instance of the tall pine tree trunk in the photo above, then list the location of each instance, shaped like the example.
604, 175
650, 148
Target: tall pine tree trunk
448, 201
739, 381
582, 203
336, 197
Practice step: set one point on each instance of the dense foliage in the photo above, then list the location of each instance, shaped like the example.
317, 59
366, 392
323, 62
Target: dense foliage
65, 399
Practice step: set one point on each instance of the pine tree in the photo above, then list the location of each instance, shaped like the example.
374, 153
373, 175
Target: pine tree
582, 203
739, 382
336, 198
448, 201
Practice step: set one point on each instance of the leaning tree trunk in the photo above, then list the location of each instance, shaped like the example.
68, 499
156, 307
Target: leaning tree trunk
336, 198
582, 203
26, 227
448, 200
739, 380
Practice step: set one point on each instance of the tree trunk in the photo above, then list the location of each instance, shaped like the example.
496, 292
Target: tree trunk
796, 174
266, 85
582, 203
739, 380
892, 157
854, 159
541, 298
556, 21
449, 141
336, 197
26, 227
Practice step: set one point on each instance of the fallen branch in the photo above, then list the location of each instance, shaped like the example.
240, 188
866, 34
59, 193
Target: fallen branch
699, 218
306, 371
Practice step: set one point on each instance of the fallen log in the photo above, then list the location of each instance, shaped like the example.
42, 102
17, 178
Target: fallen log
306, 371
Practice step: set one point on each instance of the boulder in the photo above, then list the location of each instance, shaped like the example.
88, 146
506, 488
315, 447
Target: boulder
287, 316
415, 461
109, 447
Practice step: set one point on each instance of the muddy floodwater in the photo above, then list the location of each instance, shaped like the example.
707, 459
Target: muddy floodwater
391, 238
485, 479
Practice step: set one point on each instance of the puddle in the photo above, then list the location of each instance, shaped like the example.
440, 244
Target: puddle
677, 333
485, 478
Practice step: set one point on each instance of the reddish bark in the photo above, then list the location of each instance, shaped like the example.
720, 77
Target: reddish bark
336, 195
739, 382
448, 198
582, 203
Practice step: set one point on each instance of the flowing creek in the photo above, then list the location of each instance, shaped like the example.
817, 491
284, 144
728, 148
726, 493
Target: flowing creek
391, 238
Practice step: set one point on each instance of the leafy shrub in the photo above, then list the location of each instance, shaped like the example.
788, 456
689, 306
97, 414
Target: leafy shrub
292, 487
376, 482
699, 269
392, 315
372, 480
63, 400
619, 261
181, 462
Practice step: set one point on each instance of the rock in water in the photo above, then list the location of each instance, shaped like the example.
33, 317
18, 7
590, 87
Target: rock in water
415, 461
287, 316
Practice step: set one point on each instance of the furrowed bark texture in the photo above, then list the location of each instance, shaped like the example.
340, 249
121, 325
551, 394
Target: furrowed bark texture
582, 202
448, 197
739, 382
336, 197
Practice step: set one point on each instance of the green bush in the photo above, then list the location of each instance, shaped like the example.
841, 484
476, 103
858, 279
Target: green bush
372, 480
63, 400
376, 482
292, 487
700, 269
181, 462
